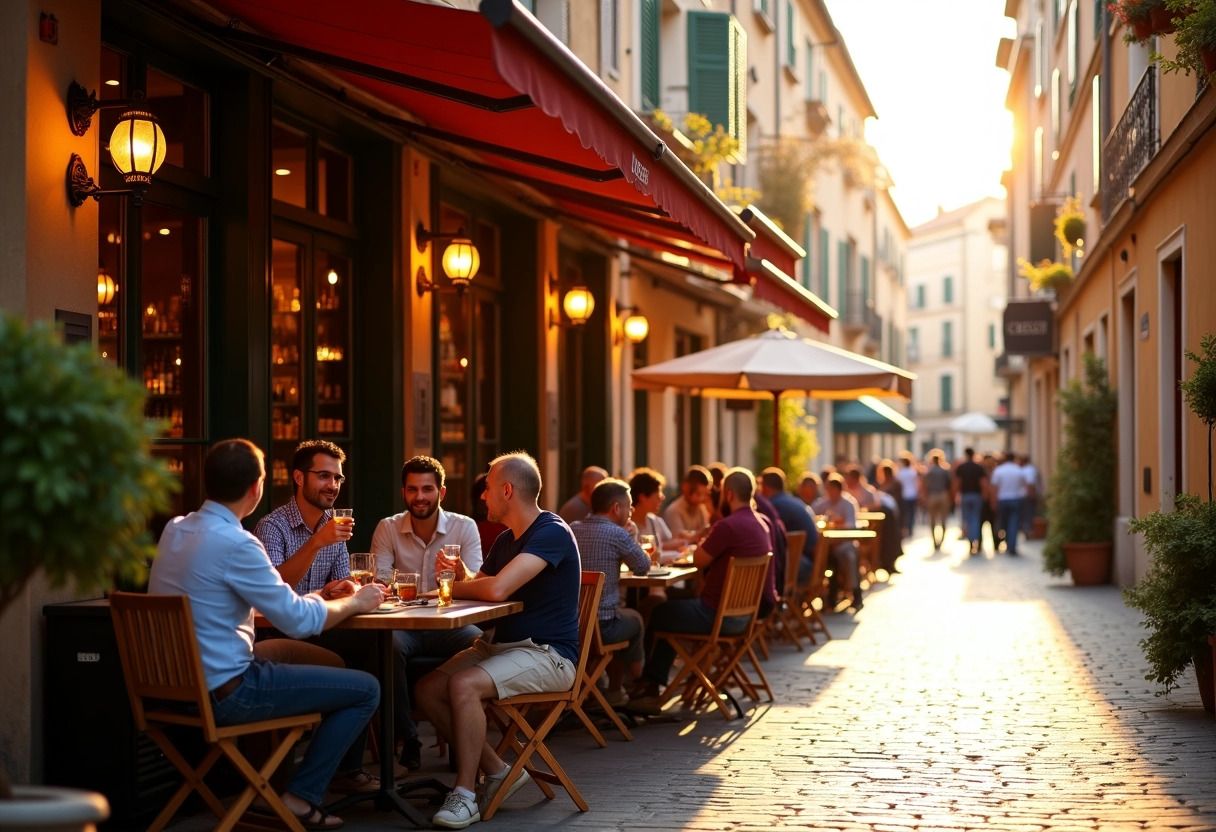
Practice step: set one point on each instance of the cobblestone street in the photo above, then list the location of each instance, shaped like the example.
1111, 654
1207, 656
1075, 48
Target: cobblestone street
971, 693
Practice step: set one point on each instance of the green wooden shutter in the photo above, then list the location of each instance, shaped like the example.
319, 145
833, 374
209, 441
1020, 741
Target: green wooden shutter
947, 393
738, 91
791, 48
947, 339
649, 41
842, 277
825, 266
807, 232
710, 81
865, 277
948, 289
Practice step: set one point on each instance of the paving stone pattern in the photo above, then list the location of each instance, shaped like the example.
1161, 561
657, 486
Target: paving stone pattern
970, 693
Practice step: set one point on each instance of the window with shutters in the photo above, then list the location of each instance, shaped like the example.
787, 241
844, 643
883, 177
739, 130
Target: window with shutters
865, 278
717, 73
844, 262
920, 297
1074, 50
610, 45
791, 42
649, 54
764, 12
947, 289
825, 264
809, 88
947, 339
554, 15
947, 393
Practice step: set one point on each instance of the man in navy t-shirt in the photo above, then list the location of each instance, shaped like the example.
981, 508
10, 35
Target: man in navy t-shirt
535, 561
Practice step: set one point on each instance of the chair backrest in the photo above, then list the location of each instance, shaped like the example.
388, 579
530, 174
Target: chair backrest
588, 622
742, 589
160, 659
793, 557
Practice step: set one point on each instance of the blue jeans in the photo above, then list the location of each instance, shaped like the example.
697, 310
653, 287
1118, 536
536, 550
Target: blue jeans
685, 615
441, 644
346, 700
1008, 512
972, 503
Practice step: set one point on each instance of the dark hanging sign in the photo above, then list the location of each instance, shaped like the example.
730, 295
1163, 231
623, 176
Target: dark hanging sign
1029, 327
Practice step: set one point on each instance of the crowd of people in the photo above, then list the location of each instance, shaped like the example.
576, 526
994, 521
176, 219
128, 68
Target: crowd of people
294, 568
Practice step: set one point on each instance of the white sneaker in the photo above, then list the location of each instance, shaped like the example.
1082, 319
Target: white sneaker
457, 812
490, 786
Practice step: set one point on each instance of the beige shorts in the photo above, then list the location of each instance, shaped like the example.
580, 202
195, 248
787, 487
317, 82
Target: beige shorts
516, 667
938, 506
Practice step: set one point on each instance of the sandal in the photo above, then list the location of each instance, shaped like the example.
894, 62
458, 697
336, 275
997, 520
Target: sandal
354, 782
317, 819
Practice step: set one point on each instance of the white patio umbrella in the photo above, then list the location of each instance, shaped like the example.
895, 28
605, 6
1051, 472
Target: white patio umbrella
773, 364
973, 422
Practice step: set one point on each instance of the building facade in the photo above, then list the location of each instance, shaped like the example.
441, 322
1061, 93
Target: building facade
1095, 119
957, 282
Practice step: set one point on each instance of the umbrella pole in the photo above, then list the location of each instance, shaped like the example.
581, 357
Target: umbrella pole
777, 428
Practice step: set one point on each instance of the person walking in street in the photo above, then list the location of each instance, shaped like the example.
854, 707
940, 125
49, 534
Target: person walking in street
1009, 485
969, 488
937, 487
909, 483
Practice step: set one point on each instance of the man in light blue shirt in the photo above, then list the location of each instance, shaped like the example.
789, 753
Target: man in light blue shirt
225, 572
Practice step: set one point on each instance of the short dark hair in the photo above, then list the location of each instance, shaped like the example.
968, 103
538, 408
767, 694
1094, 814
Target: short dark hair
773, 477
968, 451
521, 470
717, 471
645, 481
424, 465
740, 482
811, 477
307, 451
607, 491
852, 472
231, 468
698, 475
834, 479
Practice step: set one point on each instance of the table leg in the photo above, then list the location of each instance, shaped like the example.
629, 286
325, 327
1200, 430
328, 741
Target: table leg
389, 798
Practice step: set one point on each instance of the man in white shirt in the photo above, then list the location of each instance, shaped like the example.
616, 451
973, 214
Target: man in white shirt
1010, 485
909, 484
413, 541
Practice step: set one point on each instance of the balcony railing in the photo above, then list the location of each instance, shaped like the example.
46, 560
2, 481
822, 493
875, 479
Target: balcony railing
1131, 145
860, 317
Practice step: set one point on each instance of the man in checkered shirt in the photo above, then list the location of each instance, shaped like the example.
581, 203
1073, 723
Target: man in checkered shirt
309, 550
603, 545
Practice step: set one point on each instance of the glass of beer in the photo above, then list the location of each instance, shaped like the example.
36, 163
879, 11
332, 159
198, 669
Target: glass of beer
447, 577
407, 585
345, 516
362, 568
652, 550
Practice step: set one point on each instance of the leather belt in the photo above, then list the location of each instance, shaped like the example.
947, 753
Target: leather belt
222, 692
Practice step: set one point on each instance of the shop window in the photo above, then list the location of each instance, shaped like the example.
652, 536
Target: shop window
182, 112
333, 183
286, 354
110, 280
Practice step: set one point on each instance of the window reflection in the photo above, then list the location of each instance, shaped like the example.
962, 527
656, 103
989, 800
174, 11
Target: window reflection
182, 112
289, 166
333, 183
286, 351
110, 281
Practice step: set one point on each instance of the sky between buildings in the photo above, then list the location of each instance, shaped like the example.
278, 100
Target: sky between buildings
929, 66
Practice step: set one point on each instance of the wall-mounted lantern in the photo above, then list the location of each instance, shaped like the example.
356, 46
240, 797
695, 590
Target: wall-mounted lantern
137, 145
460, 260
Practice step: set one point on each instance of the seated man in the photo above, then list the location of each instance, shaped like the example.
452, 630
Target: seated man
742, 533
579, 506
864, 494
795, 514
840, 511
534, 651
413, 541
688, 514
809, 487
224, 570
308, 548
603, 545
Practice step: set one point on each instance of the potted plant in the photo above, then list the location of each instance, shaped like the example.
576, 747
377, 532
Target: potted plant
83, 482
1047, 275
1178, 595
1081, 509
1194, 37
1070, 225
1136, 17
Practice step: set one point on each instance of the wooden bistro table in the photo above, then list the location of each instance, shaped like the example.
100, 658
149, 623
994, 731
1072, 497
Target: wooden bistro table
674, 574
430, 617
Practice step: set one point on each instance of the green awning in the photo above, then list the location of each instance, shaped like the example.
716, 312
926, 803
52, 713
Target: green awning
868, 415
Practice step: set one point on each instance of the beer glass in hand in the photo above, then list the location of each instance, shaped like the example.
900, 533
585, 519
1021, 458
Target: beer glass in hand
652, 550
363, 568
446, 578
407, 585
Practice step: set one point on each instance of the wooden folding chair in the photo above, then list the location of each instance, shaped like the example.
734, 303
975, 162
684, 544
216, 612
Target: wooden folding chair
597, 662
164, 675
709, 660
788, 619
512, 713
814, 587
871, 549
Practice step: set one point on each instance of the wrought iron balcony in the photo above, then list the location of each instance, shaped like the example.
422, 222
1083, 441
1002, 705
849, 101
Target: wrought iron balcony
1131, 145
1008, 366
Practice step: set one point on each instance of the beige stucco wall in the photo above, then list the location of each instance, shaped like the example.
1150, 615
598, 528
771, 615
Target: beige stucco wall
48, 261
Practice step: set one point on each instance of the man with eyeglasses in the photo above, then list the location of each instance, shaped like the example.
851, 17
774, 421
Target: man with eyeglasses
308, 549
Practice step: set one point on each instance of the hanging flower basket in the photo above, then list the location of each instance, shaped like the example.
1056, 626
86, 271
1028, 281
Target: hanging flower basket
1070, 225
1047, 275
1161, 20
1136, 17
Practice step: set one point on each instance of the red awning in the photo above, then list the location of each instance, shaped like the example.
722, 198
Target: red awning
499, 83
774, 258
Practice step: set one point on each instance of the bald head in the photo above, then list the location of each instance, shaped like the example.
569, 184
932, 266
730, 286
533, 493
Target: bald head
738, 486
593, 475
521, 470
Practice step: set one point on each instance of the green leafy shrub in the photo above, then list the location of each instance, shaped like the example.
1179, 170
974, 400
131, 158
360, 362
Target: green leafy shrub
1196, 33
76, 447
1081, 508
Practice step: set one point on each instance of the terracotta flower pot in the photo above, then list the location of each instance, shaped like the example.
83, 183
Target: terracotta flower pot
1038, 528
1205, 676
1143, 29
1089, 563
1160, 21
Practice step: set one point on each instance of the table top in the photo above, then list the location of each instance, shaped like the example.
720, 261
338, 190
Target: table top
847, 534
674, 575
430, 617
